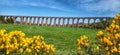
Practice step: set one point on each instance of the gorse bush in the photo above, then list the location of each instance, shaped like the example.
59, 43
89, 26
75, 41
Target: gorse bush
15, 43
106, 43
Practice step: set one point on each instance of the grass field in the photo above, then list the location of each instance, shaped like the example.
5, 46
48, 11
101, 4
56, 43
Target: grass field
64, 38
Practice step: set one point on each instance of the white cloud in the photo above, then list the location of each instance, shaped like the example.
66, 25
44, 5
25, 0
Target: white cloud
40, 3
99, 6
103, 5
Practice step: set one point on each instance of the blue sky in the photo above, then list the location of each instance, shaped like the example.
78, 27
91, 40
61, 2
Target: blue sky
60, 7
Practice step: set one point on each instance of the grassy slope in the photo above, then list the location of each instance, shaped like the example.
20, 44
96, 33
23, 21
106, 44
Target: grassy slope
64, 38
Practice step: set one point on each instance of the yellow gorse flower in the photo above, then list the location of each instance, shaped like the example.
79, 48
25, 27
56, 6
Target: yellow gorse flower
28, 50
100, 33
108, 42
83, 40
16, 42
114, 49
97, 48
21, 50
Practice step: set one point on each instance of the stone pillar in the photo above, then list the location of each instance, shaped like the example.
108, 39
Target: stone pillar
7, 17
68, 19
11, 17
21, 19
26, 21
46, 21
30, 20
54, 21
83, 22
38, 22
4, 18
34, 20
42, 23
63, 21
106, 19
101, 19
110, 19
59, 22
94, 20
102, 23
88, 22
51, 21
72, 22
14, 19
78, 22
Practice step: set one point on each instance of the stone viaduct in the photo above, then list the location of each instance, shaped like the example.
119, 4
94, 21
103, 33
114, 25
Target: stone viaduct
55, 21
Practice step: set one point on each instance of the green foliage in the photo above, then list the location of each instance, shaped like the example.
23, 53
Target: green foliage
102, 24
107, 43
63, 38
10, 20
1, 19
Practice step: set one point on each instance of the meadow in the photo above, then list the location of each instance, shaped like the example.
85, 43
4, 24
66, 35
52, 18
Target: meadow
63, 38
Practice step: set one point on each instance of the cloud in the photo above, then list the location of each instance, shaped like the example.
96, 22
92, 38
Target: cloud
102, 5
48, 4
94, 7
37, 3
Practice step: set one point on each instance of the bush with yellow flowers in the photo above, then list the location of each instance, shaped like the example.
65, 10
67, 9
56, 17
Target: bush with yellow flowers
106, 43
15, 43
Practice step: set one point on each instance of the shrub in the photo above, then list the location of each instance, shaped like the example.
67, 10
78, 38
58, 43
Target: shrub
1, 19
101, 25
15, 43
106, 43
10, 20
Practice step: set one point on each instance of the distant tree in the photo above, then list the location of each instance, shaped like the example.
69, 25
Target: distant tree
1, 19
9, 20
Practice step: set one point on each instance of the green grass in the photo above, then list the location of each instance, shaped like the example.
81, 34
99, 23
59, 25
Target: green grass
64, 38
